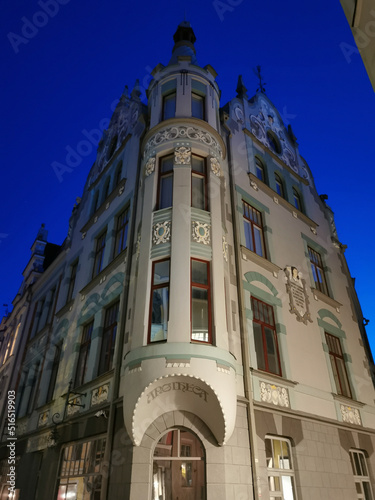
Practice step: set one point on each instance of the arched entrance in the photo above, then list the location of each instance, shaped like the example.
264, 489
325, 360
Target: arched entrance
179, 467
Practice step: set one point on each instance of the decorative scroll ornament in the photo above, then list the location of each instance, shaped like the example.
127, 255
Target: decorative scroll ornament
274, 394
99, 395
185, 132
201, 232
161, 232
350, 415
298, 299
182, 155
150, 166
215, 166
225, 249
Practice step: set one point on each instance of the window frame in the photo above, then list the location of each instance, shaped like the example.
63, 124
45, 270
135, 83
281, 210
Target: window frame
166, 97
72, 281
279, 472
297, 200
100, 244
161, 177
84, 353
334, 354
263, 325
195, 173
121, 232
109, 335
317, 269
202, 100
279, 184
252, 224
359, 466
209, 302
260, 168
54, 371
156, 287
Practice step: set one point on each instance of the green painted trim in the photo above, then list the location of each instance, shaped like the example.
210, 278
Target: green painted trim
249, 314
325, 313
325, 347
252, 201
315, 246
162, 250
333, 330
347, 358
280, 328
200, 250
255, 276
170, 85
261, 294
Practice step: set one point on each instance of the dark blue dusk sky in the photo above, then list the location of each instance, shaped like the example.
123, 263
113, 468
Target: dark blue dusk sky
75, 64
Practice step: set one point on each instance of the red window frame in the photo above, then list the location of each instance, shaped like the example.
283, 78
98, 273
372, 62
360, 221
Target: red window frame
270, 325
109, 338
196, 173
253, 217
335, 353
153, 288
204, 287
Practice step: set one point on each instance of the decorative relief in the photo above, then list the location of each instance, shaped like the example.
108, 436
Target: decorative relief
225, 249
350, 415
150, 166
254, 185
274, 394
201, 232
185, 132
161, 232
43, 418
182, 155
313, 230
223, 368
298, 299
177, 363
99, 395
74, 406
215, 166
136, 368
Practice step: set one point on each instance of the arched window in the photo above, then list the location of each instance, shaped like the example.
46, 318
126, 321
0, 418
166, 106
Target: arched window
274, 142
179, 467
260, 170
279, 186
297, 200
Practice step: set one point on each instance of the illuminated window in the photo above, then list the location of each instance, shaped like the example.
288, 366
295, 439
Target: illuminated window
254, 239
179, 467
159, 303
265, 337
361, 475
338, 365
200, 301
280, 469
165, 189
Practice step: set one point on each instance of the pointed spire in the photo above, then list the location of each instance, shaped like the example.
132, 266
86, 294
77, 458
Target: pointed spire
184, 39
241, 89
125, 92
261, 81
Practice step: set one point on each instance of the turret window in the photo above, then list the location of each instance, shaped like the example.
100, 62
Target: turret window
169, 106
165, 191
197, 106
198, 183
159, 303
200, 301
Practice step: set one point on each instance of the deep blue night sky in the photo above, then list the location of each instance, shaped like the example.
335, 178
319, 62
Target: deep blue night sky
64, 80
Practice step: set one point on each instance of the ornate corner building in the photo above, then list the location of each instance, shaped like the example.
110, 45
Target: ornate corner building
197, 336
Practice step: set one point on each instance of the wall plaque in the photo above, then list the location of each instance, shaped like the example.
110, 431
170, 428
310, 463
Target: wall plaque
298, 299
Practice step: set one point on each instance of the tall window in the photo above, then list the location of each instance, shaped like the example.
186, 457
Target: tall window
279, 186
280, 469
165, 191
121, 232
84, 352
95, 203
159, 303
99, 254
297, 200
106, 189
259, 170
169, 106
253, 229
338, 365
72, 281
197, 106
118, 174
198, 183
33, 387
109, 339
179, 467
200, 301
51, 305
318, 271
361, 476
265, 337
54, 370
80, 474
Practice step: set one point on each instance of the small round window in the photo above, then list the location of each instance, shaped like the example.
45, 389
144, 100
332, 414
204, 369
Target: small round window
274, 142
178, 467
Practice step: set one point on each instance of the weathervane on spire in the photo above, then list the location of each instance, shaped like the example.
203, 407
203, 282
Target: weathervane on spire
262, 84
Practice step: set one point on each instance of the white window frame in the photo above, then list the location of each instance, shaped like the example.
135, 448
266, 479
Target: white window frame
281, 471
363, 477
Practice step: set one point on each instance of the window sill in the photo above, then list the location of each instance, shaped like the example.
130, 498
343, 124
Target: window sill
348, 401
324, 298
261, 261
117, 191
101, 277
279, 379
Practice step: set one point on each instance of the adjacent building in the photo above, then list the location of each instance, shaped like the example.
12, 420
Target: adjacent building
198, 335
